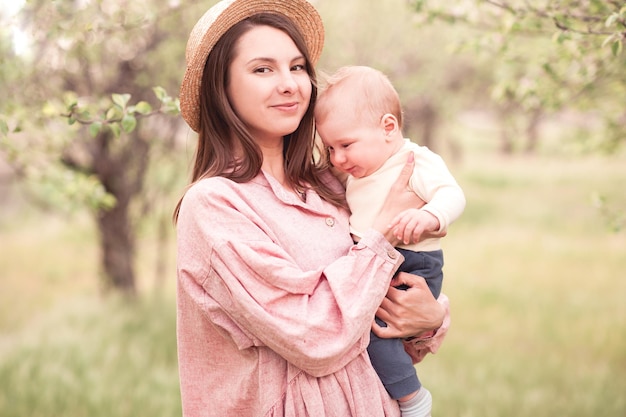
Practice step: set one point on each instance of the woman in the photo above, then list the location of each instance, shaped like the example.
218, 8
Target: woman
275, 302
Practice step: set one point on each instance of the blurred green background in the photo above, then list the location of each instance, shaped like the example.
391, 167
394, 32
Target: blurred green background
529, 117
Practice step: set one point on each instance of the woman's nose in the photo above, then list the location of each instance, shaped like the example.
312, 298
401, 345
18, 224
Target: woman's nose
288, 83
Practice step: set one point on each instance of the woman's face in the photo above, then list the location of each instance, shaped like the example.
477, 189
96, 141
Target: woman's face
269, 87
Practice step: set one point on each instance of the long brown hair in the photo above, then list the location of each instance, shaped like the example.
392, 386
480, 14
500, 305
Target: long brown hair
222, 133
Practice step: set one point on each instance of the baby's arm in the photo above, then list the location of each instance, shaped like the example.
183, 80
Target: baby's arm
414, 225
434, 183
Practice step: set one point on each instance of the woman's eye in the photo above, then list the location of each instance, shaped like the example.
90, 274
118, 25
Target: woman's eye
262, 70
299, 67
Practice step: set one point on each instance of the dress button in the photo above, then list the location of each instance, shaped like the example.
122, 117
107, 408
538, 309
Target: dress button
330, 221
392, 254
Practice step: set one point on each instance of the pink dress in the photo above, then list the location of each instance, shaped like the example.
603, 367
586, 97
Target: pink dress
275, 304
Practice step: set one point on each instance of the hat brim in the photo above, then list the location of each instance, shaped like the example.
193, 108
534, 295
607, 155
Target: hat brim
218, 20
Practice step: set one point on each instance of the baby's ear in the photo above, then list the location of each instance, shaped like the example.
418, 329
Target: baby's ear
389, 123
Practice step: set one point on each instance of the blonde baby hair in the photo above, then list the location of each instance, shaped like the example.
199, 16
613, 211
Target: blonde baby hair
368, 91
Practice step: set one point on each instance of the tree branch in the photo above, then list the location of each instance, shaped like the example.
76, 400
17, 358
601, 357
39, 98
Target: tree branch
557, 19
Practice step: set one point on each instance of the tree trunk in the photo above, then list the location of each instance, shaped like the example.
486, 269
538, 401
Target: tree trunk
117, 245
121, 169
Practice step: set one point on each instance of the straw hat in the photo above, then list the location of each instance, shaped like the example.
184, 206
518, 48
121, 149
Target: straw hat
221, 17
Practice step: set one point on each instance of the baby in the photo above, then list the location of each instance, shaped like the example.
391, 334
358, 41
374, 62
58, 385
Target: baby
358, 117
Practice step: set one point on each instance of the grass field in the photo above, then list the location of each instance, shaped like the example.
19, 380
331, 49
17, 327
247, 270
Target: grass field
533, 271
539, 303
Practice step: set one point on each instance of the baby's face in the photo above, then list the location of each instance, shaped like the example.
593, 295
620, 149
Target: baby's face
354, 146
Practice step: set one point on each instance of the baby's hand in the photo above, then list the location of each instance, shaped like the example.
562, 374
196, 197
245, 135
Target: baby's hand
413, 225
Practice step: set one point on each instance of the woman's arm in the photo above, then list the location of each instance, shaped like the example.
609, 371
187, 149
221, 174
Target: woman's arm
239, 272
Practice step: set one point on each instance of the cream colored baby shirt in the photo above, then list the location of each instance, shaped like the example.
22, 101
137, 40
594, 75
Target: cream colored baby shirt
431, 181
275, 304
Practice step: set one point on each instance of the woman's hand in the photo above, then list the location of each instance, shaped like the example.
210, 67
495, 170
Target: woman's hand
408, 312
399, 199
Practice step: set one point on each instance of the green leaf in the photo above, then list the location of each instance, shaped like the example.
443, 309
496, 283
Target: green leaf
107, 201
121, 99
129, 122
143, 107
608, 40
160, 93
114, 114
548, 69
610, 21
171, 107
84, 116
116, 129
616, 48
95, 128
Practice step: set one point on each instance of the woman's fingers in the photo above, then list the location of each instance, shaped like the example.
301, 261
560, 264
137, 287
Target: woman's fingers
408, 312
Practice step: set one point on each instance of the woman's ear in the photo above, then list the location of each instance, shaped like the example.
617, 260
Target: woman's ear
389, 123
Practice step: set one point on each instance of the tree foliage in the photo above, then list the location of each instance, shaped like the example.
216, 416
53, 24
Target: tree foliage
84, 122
548, 55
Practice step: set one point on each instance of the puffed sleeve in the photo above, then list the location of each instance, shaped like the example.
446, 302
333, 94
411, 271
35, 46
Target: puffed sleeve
418, 348
317, 319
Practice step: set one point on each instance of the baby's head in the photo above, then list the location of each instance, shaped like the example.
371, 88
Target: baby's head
359, 119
